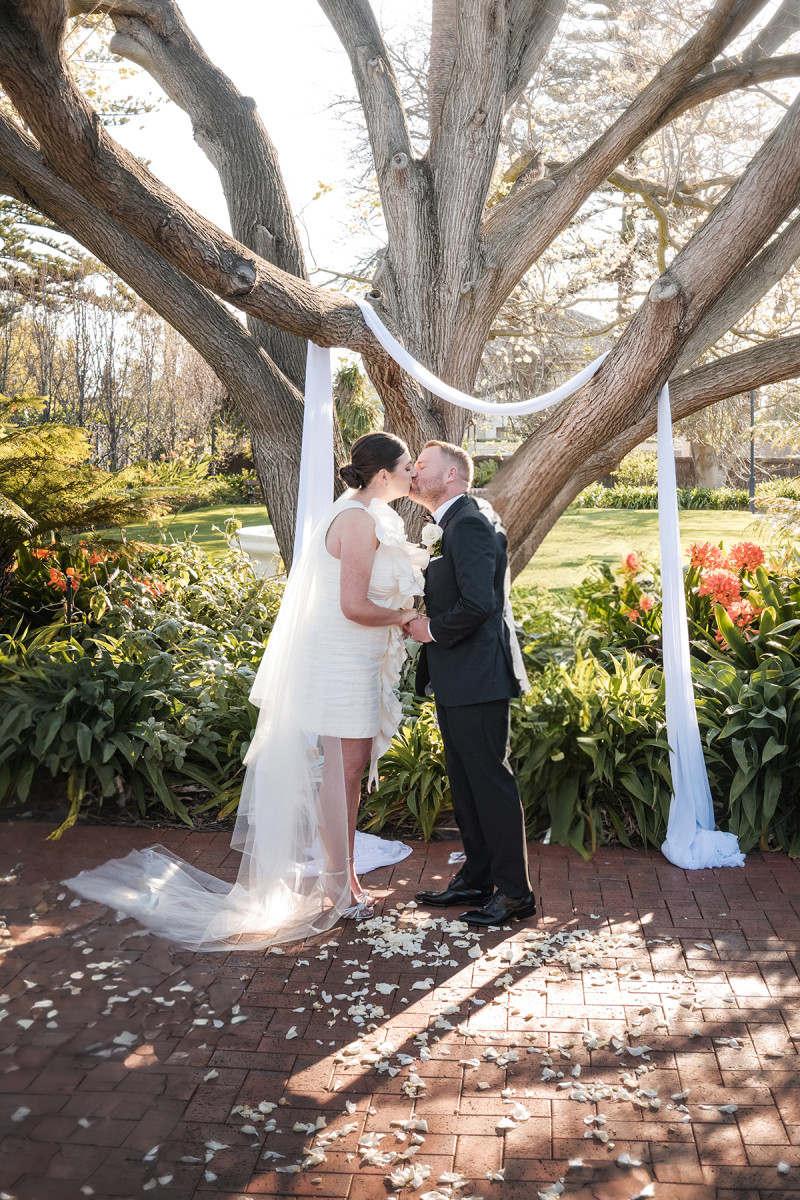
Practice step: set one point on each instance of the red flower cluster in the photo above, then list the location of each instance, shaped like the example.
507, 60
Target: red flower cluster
631, 563
705, 557
41, 553
745, 556
153, 587
722, 585
62, 580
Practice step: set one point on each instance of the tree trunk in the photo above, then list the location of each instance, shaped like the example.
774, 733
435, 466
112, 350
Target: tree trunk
709, 469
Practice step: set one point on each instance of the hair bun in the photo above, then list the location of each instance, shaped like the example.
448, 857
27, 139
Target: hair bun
351, 476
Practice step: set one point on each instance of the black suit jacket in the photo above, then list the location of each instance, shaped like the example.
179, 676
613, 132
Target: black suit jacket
469, 662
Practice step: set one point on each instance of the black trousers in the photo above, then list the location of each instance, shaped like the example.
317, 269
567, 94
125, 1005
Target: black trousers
486, 800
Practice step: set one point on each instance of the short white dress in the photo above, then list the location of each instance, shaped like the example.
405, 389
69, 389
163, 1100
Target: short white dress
353, 669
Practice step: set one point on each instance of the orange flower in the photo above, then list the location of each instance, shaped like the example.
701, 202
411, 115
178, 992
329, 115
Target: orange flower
94, 559
633, 615
723, 586
745, 556
57, 580
41, 553
705, 556
631, 563
645, 604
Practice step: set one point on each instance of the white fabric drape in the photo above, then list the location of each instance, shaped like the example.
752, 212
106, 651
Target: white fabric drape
692, 841
293, 878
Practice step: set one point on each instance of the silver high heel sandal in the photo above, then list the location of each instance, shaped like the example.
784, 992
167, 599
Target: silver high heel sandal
363, 908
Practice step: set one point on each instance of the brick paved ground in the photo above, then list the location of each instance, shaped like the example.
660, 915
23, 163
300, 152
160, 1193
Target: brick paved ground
122, 1060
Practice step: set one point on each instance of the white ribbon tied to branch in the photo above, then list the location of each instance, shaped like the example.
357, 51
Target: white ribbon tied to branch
692, 841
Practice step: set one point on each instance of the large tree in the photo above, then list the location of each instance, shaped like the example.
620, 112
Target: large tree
452, 258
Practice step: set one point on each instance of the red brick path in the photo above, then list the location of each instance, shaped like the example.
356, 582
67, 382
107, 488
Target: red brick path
97, 1108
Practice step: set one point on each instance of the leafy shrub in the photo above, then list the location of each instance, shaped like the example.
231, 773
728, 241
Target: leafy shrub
590, 753
638, 469
413, 790
750, 721
634, 496
179, 631
46, 484
485, 472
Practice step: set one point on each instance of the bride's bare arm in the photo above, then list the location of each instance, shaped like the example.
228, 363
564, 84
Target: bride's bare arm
351, 539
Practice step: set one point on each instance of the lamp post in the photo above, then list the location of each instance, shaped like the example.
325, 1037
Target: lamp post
752, 488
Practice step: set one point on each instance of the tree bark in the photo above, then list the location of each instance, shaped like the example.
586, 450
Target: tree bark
250, 377
229, 130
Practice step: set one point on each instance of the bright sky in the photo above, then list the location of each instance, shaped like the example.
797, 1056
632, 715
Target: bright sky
289, 59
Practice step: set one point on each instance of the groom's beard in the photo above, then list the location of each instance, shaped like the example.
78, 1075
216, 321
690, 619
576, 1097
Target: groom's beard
429, 496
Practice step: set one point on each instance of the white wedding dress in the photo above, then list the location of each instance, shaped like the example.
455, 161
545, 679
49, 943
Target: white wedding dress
322, 678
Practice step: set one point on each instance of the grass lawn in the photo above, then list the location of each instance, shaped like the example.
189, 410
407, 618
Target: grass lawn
201, 524
607, 533
600, 533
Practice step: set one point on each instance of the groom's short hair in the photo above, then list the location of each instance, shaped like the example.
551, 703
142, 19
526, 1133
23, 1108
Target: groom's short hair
460, 459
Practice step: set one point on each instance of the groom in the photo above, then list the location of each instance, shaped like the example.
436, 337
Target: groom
466, 661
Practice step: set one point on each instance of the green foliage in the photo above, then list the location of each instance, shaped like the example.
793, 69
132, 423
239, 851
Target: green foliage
590, 752
635, 496
413, 790
637, 469
145, 695
750, 721
358, 409
184, 483
46, 483
485, 472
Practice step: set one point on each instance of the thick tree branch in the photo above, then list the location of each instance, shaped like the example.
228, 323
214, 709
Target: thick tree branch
731, 79
532, 27
784, 22
771, 362
266, 399
624, 387
400, 176
517, 231
76, 146
228, 129
743, 293
442, 56
464, 141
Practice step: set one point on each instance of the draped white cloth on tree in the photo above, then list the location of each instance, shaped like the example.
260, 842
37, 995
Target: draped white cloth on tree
692, 841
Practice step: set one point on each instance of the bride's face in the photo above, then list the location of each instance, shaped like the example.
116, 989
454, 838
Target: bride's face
399, 480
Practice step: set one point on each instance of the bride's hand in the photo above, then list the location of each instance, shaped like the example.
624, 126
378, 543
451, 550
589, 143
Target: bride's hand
406, 615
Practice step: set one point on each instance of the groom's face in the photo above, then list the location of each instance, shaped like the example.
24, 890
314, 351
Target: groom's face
429, 484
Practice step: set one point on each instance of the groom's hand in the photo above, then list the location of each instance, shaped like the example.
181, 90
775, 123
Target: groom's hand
419, 629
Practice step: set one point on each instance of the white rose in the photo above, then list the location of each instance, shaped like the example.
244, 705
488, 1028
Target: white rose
431, 534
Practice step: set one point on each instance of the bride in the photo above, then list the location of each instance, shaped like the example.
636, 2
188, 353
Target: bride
325, 690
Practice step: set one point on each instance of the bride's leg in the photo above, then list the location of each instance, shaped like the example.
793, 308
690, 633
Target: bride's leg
332, 795
355, 756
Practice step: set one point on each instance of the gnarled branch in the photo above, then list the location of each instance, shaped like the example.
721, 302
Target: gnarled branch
227, 127
517, 231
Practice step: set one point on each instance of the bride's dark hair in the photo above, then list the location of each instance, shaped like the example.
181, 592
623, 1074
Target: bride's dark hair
370, 453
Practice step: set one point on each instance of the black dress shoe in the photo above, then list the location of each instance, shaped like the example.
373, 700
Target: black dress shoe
456, 892
501, 909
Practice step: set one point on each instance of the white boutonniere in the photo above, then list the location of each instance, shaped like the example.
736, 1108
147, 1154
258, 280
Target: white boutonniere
432, 539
